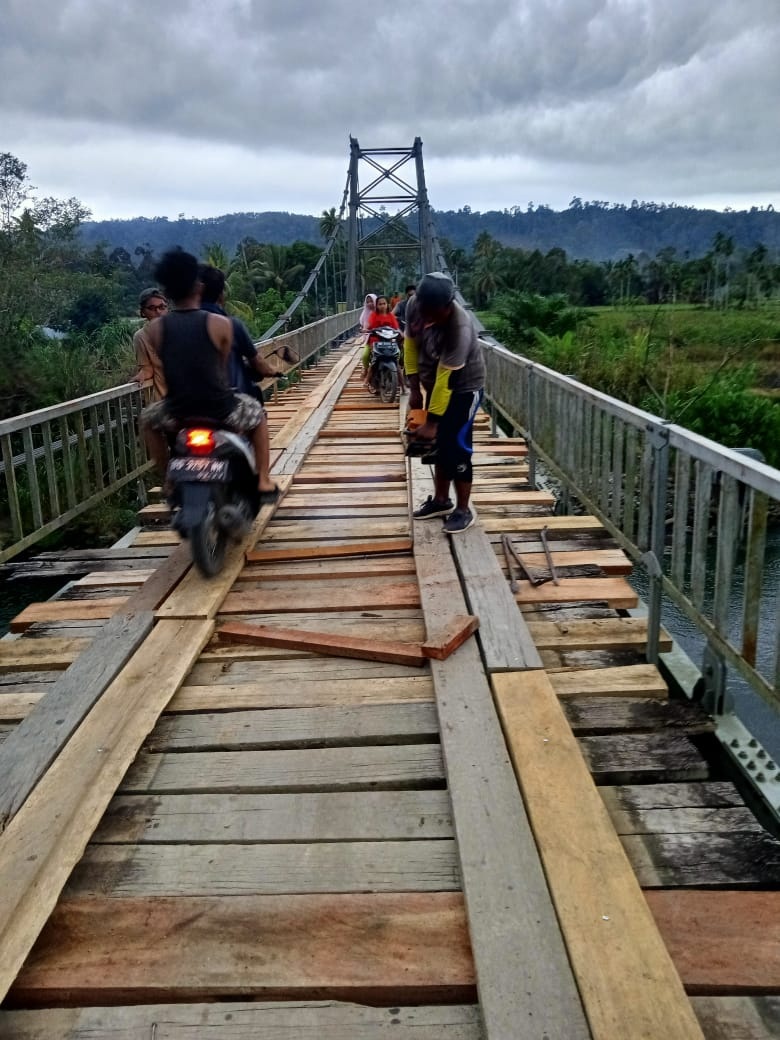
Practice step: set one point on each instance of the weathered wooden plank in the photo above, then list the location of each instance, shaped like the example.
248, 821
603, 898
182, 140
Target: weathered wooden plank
251, 818
327, 570
324, 643
646, 757
722, 942
591, 716
22, 655
625, 975
307, 691
738, 1018
47, 728
309, 1020
736, 858
504, 636
323, 769
594, 634
373, 548
522, 967
266, 869
364, 596
644, 797
319, 531
46, 837
622, 681
340, 726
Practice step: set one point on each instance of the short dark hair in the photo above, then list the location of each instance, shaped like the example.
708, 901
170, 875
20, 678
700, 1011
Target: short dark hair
149, 294
410, 288
213, 282
177, 273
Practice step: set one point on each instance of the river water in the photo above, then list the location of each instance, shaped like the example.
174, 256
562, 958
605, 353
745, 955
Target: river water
762, 720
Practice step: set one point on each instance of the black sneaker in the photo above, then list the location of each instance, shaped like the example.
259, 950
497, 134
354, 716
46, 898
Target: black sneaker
432, 507
458, 520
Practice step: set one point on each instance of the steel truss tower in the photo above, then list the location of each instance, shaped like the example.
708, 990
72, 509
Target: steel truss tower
385, 164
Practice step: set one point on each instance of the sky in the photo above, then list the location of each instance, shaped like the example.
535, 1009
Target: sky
145, 109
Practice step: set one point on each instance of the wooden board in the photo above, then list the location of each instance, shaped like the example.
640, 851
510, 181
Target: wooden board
722, 942
625, 975
324, 643
67, 610
522, 967
594, 634
364, 596
23, 655
735, 858
598, 716
236, 1020
738, 1018
313, 769
381, 548
643, 758
626, 681
253, 818
615, 592
47, 836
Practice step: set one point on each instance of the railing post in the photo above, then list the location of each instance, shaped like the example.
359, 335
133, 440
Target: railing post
653, 558
530, 425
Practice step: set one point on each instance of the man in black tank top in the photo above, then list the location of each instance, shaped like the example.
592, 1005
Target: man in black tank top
194, 347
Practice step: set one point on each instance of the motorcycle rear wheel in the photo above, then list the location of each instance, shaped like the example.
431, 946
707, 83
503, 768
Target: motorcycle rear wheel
388, 384
208, 544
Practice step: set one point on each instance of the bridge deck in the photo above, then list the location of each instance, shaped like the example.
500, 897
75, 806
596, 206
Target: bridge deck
211, 826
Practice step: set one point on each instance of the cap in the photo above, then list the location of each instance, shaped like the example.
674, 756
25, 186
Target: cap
435, 290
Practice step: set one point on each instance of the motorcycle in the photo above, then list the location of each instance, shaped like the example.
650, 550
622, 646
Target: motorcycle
214, 495
383, 364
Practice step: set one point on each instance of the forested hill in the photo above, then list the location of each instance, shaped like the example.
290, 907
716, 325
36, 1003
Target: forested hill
586, 230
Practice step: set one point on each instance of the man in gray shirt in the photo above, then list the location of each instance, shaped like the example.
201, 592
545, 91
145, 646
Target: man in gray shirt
442, 356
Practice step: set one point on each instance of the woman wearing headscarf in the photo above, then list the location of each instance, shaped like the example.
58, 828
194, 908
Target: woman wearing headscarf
369, 306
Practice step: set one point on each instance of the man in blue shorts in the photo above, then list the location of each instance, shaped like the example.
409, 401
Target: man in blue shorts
442, 356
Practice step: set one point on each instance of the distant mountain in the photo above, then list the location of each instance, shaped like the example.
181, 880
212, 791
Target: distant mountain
586, 230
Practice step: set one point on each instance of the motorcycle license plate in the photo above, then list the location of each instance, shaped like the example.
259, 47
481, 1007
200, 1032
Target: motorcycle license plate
198, 469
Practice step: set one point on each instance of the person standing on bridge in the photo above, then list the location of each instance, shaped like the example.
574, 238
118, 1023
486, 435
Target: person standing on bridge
194, 347
443, 357
151, 304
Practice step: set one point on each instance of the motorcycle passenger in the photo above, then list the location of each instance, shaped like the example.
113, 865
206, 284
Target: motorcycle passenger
381, 318
400, 308
194, 347
369, 306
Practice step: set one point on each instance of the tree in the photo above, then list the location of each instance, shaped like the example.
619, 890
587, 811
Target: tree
15, 188
329, 222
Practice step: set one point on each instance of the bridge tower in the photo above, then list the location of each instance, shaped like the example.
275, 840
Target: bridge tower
387, 188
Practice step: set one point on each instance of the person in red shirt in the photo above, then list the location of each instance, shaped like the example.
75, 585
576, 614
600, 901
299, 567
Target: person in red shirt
382, 317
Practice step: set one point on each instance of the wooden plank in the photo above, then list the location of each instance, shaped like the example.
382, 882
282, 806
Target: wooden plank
266, 869
736, 858
616, 592
308, 1020
592, 716
37, 741
446, 639
45, 839
67, 610
318, 531
555, 524
324, 643
363, 947
625, 681
504, 636
625, 975
23, 655
264, 555
722, 942
594, 634
305, 693
364, 596
252, 818
625, 803
324, 769
610, 561
327, 570
738, 1018
645, 757
522, 966
327, 726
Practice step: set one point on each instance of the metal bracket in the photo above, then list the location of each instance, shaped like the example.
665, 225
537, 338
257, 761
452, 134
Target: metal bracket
650, 562
712, 692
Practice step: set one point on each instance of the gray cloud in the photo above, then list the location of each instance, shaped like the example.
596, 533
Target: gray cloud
241, 99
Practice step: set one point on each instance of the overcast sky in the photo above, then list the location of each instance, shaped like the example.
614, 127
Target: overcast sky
146, 109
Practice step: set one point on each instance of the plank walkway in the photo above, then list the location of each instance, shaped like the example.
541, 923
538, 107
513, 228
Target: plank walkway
211, 829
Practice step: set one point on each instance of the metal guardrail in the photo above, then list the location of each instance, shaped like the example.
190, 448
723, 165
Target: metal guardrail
58, 462
693, 513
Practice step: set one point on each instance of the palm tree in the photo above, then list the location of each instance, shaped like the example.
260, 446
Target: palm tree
329, 222
215, 255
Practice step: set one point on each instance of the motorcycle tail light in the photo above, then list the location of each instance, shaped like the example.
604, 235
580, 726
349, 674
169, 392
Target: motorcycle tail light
200, 442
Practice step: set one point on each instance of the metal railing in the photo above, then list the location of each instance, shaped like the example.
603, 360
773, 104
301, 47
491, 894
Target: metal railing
59, 462
694, 514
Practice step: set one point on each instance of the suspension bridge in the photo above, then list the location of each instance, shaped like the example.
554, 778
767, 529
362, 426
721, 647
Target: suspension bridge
373, 781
